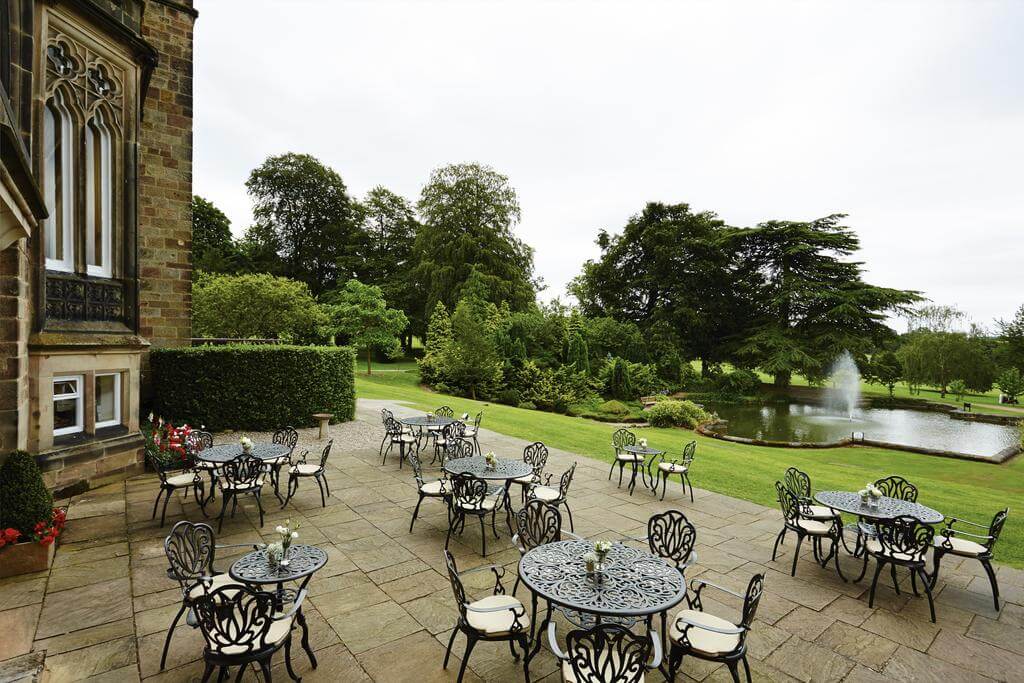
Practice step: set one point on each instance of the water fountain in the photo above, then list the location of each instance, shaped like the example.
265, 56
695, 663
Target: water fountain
843, 395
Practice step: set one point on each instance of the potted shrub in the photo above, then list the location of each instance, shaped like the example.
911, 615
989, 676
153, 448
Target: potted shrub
29, 524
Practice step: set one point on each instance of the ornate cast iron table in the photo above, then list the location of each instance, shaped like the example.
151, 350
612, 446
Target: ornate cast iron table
303, 562
505, 470
645, 468
422, 424
226, 452
633, 584
887, 508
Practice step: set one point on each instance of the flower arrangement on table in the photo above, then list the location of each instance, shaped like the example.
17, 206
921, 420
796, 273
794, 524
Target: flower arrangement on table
168, 445
246, 444
642, 443
602, 548
277, 552
491, 459
870, 492
430, 417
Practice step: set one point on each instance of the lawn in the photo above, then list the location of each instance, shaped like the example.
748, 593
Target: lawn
970, 490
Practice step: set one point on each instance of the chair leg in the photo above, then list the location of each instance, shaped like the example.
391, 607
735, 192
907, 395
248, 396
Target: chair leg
622, 466
936, 559
415, 513
327, 485
928, 592
874, 582
895, 582
163, 512
222, 675
778, 539
448, 536
690, 484
259, 506
913, 582
675, 659
839, 570
733, 671
206, 672
483, 536
987, 564
323, 501
156, 503
170, 632
569, 512
796, 553
470, 642
265, 668
515, 586
611, 470
746, 667
863, 569
224, 496
288, 659
448, 650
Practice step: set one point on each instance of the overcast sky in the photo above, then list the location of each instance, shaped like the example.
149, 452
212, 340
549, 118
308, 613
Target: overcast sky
908, 116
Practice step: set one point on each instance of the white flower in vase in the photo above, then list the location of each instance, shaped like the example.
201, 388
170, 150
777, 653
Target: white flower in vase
643, 443
246, 443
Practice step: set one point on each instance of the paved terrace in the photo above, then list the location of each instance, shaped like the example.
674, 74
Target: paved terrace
382, 609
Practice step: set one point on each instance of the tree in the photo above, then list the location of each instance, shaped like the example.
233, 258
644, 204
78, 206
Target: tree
360, 313
439, 338
472, 361
468, 213
670, 265
958, 388
1011, 334
254, 306
1011, 384
885, 369
938, 358
213, 248
306, 226
390, 226
812, 302
578, 357
934, 318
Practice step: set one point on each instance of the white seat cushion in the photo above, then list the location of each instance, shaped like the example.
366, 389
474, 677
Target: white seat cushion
403, 438
183, 479
276, 634
432, 488
569, 676
499, 621
629, 457
304, 469
200, 588
470, 432
814, 527
875, 546
224, 484
961, 546
545, 493
206, 465
821, 512
274, 462
672, 467
702, 640
525, 480
487, 504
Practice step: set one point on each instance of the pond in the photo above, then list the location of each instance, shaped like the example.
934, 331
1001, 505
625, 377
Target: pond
812, 423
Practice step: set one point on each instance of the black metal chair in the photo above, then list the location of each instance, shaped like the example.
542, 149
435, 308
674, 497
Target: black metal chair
555, 496
454, 431
385, 416
682, 466
199, 441
799, 484
395, 433
620, 439
289, 438
473, 430
242, 626
317, 470
426, 489
470, 497
431, 432
796, 518
456, 449
536, 456
497, 617
537, 523
699, 634
958, 542
893, 486
671, 536
605, 653
171, 481
190, 550
901, 542
243, 476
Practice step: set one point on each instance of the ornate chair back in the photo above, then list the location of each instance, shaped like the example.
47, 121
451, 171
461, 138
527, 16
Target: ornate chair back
607, 652
797, 483
199, 440
563, 485
444, 411
477, 419
897, 487
536, 456
755, 588
454, 430
996, 528
622, 437
468, 491
242, 472
326, 452
190, 550
287, 437
905, 538
789, 503
689, 450
457, 590
538, 523
671, 536
456, 449
417, 467
236, 617
392, 426
386, 415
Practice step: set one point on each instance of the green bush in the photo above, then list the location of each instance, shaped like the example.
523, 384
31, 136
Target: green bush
613, 407
737, 383
24, 499
527, 405
510, 397
255, 305
672, 413
619, 383
253, 387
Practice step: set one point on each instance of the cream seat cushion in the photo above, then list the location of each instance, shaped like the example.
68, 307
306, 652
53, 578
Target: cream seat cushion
545, 493
672, 467
814, 527
629, 457
432, 488
304, 469
961, 546
276, 461
525, 480
403, 438
228, 486
275, 635
206, 465
701, 640
569, 676
822, 512
875, 546
500, 621
217, 581
487, 504
183, 479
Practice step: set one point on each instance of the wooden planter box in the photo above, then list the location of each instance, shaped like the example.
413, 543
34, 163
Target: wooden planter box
26, 558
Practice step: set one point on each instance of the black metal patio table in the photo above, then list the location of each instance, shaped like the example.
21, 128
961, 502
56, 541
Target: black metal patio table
227, 452
504, 470
634, 584
645, 469
886, 508
423, 423
303, 561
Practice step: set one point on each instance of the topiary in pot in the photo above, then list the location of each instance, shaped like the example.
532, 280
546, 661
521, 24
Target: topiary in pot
24, 499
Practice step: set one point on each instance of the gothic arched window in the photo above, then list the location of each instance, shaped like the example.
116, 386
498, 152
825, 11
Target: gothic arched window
99, 197
58, 184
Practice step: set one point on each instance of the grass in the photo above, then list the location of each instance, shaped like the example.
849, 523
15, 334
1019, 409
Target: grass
970, 490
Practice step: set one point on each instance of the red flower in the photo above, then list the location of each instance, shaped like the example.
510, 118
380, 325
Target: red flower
10, 535
46, 540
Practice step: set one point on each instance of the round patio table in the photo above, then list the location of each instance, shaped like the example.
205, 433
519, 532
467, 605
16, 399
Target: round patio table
633, 584
645, 469
887, 508
422, 421
227, 452
505, 470
303, 561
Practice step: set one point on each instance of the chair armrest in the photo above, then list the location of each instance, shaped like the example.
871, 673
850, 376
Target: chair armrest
496, 568
295, 606
553, 643
254, 546
956, 520
656, 662
734, 631
948, 533
302, 458
697, 584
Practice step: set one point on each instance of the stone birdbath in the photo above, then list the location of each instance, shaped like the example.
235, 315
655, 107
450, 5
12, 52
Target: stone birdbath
325, 419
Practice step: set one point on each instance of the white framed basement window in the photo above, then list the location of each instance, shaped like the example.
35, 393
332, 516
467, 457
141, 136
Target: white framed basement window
67, 405
108, 400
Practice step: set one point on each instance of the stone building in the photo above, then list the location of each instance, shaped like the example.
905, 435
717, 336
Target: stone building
95, 229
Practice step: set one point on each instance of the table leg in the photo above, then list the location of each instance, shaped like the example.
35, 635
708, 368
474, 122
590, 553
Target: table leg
539, 636
305, 637
632, 478
508, 506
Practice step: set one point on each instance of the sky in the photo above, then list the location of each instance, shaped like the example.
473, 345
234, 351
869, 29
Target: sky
908, 116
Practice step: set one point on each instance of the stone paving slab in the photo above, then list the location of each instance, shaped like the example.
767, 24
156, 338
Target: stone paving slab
382, 609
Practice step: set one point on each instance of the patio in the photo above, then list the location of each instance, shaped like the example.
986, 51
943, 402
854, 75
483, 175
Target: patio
382, 608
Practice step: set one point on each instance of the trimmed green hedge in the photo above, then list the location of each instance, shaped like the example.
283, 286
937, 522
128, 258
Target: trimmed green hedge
255, 387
